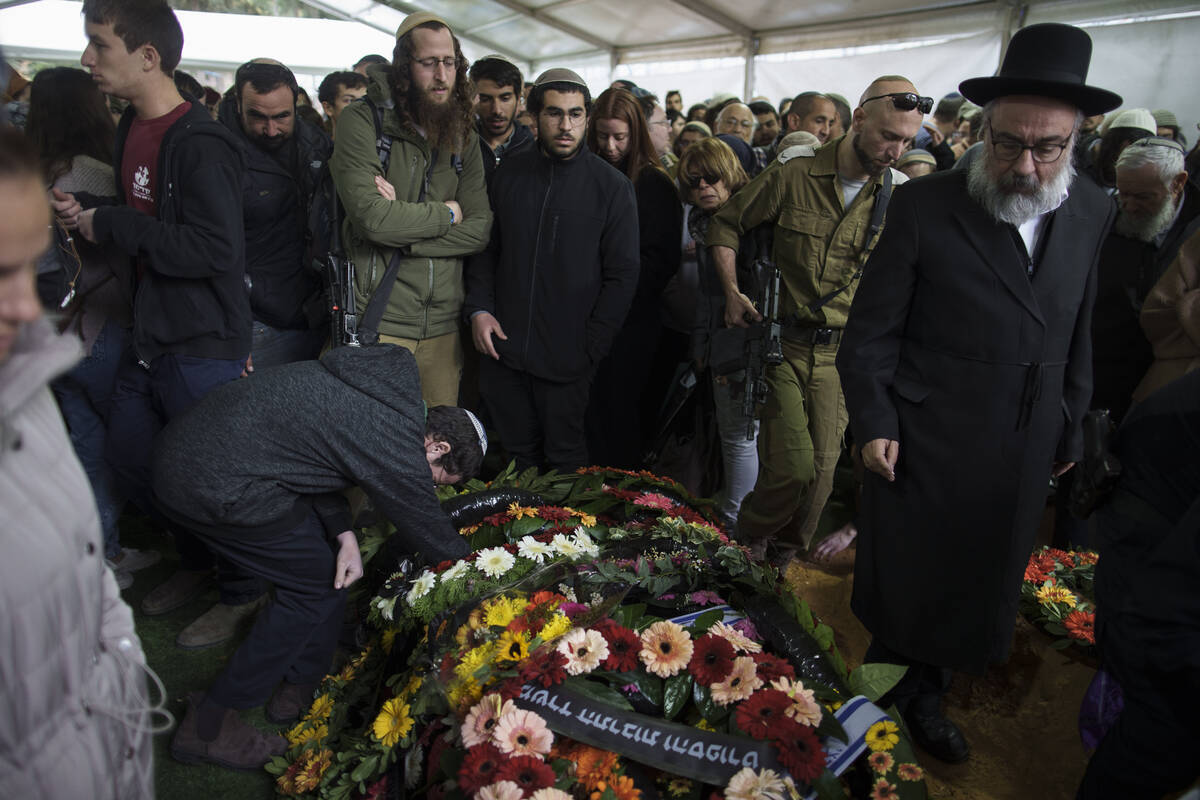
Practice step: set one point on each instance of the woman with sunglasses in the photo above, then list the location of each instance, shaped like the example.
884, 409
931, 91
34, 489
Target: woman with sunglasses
625, 394
708, 174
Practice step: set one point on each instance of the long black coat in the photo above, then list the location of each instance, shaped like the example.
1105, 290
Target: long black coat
983, 377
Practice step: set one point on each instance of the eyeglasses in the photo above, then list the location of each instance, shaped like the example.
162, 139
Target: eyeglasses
449, 62
734, 123
574, 117
693, 181
1042, 152
905, 101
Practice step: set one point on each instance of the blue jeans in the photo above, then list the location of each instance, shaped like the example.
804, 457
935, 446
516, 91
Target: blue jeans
84, 395
143, 402
274, 346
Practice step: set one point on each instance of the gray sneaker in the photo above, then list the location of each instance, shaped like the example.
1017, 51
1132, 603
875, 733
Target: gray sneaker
131, 560
176, 592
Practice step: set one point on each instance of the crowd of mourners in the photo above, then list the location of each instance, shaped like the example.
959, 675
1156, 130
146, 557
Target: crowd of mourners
265, 315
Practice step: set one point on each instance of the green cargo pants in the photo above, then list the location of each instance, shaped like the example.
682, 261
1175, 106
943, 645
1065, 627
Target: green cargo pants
800, 439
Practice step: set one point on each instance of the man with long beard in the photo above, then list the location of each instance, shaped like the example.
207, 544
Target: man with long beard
1158, 209
825, 207
967, 371
409, 225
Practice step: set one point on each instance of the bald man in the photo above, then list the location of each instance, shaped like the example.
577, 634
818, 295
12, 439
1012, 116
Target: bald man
826, 206
737, 119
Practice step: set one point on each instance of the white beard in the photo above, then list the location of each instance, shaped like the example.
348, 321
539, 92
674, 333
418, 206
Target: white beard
1017, 199
1145, 229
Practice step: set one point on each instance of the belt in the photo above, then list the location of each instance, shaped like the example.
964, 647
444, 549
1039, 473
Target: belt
813, 335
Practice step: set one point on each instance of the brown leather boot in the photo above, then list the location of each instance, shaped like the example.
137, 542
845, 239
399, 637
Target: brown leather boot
289, 701
219, 624
239, 745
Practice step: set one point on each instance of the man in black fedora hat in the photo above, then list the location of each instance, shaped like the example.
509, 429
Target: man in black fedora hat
966, 366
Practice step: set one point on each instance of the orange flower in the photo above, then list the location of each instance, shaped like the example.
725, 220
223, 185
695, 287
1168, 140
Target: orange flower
315, 764
1081, 625
622, 788
594, 766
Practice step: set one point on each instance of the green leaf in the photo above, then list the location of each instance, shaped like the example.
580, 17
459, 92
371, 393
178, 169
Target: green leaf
830, 727
597, 692
651, 686
706, 621
365, 769
875, 680
1061, 644
712, 712
629, 615
823, 634
525, 526
1056, 629
676, 691
828, 786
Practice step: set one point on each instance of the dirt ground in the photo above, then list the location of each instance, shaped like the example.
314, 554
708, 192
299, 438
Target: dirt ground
1020, 719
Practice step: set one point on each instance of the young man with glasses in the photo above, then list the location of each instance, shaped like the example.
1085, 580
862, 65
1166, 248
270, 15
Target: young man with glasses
967, 370
549, 294
822, 206
407, 230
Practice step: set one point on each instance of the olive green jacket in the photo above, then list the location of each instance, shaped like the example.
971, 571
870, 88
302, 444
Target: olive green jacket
818, 245
428, 295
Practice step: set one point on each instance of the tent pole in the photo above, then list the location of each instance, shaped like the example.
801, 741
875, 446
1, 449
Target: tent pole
1014, 21
752, 45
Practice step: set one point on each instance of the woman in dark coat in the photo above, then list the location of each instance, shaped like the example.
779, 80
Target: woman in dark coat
625, 397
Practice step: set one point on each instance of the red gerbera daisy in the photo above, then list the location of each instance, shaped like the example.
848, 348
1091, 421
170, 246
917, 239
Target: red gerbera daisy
1081, 625
480, 768
770, 667
623, 647
528, 772
757, 713
799, 749
548, 669
712, 659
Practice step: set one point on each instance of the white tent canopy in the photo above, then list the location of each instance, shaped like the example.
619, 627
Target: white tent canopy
1144, 49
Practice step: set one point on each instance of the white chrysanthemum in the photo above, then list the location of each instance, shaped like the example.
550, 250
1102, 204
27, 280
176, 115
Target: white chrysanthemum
494, 561
585, 543
421, 586
387, 608
531, 548
566, 546
750, 785
459, 570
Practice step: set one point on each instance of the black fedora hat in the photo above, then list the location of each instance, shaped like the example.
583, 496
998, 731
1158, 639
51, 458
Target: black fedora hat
1047, 60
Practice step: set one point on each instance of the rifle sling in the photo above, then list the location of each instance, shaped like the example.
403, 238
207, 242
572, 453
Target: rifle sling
877, 213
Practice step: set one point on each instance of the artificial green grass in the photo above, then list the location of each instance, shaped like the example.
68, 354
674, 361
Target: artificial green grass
184, 671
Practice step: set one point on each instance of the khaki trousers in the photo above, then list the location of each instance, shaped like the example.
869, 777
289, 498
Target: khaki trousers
439, 362
799, 442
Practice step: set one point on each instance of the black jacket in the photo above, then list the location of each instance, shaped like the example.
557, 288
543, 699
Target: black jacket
520, 140
561, 267
304, 432
277, 196
983, 377
191, 299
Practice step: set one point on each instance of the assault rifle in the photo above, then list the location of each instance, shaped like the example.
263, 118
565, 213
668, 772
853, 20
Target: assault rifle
763, 347
339, 284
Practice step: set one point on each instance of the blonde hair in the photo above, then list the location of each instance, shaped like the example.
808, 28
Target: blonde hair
710, 157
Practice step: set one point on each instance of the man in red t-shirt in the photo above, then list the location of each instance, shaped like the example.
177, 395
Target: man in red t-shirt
179, 215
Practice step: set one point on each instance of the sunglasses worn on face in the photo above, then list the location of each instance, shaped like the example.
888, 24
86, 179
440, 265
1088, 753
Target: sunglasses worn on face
693, 181
906, 101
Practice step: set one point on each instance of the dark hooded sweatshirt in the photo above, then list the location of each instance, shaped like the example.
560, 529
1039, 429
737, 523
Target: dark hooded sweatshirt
255, 455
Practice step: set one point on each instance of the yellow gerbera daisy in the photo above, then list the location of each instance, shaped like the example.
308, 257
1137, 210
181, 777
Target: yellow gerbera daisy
393, 722
474, 659
502, 611
319, 710
303, 734
1049, 595
410, 688
883, 735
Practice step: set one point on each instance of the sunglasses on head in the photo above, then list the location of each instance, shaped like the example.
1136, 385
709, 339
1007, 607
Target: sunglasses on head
693, 181
905, 101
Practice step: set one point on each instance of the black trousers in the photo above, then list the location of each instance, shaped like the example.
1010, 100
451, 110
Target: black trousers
1152, 748
539, 422
295, 636
922, 687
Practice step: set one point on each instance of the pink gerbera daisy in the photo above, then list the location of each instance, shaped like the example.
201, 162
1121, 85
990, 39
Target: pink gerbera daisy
522, 733
481, 720
583, 650
666, 648
740, 684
